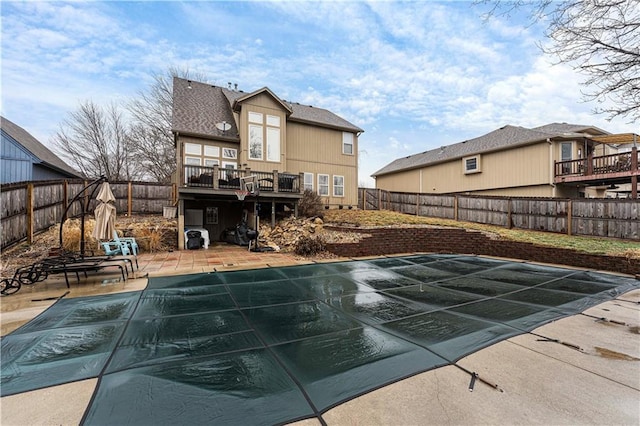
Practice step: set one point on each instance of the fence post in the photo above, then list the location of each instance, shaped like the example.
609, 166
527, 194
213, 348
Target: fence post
129, 198
65, 194
174, 194
29, 208
509, 208
417, 204
569, 217
455, 208
379, 199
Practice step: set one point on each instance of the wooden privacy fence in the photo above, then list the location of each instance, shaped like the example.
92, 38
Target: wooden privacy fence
27, 208
616, 218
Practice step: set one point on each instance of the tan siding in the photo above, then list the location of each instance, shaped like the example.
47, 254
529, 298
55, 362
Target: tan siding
319, 150
408, 181
350, 180
522, 167
317, 144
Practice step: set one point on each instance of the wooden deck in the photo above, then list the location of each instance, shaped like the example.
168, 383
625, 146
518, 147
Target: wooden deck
615, 168
226, 181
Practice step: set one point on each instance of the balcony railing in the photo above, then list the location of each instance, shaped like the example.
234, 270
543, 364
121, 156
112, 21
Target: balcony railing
626, 162
229, 179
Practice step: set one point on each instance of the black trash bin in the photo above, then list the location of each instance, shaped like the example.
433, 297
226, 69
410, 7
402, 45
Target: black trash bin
194, 240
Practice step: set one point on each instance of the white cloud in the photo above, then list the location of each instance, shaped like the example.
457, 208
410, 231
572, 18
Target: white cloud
414, 75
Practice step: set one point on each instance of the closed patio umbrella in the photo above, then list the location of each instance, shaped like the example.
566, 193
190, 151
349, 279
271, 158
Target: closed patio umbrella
105, 213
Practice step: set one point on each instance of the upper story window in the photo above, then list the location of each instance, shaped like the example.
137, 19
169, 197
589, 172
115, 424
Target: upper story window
264, 136
347, 143
255, 117
566, 151
273, 121
208, 155
471, 164
211, 151
193, 149
273, 143
229, 153
255, 142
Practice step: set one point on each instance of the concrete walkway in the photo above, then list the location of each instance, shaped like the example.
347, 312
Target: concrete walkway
593, 379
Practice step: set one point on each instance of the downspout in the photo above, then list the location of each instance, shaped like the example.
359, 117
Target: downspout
420, 183
552, 167
634, 168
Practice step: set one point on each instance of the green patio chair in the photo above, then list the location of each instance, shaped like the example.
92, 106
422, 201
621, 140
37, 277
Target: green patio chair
130, 242
115, 248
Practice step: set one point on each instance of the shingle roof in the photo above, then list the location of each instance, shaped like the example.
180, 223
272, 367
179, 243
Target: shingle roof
561, 128
198, 107
504, 137
36, 148
196, 110
497, 139
320, 116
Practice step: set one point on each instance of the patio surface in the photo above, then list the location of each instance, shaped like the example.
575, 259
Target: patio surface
539, 381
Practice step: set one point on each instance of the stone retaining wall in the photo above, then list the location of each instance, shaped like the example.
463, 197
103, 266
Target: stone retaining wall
382, 241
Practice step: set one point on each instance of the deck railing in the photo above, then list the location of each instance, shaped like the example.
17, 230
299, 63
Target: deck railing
605, 164
219, 178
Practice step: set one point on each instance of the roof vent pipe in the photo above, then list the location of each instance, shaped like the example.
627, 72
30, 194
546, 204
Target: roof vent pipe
235, 87
229, 85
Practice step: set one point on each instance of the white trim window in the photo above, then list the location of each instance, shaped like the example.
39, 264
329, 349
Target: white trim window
255, 142
192, 148
471, 164
347, 143
273, 121
211, 151
255, 117
192, 161
323, 185
338, 186
308, 181
230, 153
273, 143
210, 162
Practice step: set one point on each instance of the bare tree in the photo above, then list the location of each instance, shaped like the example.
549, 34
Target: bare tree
96, 142
598, 38
152, 139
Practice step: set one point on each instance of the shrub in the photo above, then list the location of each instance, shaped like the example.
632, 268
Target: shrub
307, 246
310, 205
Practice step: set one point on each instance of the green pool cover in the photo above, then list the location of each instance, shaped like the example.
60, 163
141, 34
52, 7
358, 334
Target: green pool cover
270, 346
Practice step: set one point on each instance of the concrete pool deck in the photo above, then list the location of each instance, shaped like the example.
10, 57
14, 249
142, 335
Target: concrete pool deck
541, 382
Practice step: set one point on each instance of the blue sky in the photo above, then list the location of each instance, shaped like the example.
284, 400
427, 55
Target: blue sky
414, 75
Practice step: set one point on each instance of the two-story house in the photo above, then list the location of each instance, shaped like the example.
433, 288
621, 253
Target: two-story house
228, 140
554, 160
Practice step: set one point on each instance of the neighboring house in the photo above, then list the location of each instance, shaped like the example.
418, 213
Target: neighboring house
225, 138
26, 159
555, 160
